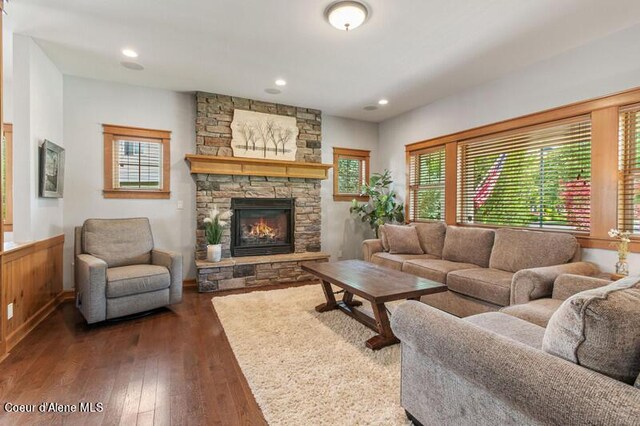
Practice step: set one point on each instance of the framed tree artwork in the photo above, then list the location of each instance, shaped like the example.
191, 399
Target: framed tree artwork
51, 170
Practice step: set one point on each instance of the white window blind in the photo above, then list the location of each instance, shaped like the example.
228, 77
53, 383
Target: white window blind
533, 178
137, 165
629, 170
426, 185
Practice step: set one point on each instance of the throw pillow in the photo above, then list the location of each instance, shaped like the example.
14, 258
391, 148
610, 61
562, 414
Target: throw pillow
600, 329
383, 238
431, 237
403, 239
468, 245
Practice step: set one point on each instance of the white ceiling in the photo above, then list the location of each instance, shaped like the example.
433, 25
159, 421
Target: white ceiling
411, 52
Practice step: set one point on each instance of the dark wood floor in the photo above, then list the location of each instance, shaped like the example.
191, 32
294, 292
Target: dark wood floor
172, 367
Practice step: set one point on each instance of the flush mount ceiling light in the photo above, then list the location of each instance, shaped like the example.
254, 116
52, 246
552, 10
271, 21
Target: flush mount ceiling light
281, 82
130, 53
346, 15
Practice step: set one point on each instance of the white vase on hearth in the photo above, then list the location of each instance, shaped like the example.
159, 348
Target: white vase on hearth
214, 252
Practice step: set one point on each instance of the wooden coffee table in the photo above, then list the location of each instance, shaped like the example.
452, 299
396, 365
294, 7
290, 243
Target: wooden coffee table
373, 283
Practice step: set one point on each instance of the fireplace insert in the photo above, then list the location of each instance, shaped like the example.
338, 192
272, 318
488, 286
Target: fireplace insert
262, 226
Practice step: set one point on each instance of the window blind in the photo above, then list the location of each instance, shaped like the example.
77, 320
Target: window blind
426, 185
533, 178
629, 170
351, 175
137, 165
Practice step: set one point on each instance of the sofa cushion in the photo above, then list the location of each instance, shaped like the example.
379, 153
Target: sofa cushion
537, 311
402, 239
431, 236
511, 327
395, 261
468, 245
434, 269
383, 237
119, 242
135, 279
600, 329
490, 285
515, 249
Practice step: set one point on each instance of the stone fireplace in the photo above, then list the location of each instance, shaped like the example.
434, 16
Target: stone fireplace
276, 221
262, 226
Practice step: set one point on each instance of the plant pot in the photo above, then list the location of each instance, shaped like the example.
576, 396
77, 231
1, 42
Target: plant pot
214, 252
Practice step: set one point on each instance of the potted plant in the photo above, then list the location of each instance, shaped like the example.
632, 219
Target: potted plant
213, 226
382, 207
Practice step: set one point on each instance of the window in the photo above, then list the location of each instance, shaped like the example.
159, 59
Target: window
427, 185
629, 170
535, 178
7, 177
136, 162
350, 172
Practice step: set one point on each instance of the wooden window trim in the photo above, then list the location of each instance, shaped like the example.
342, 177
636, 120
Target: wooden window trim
8, 133
113, 132
409, 192
354, 154
604, 112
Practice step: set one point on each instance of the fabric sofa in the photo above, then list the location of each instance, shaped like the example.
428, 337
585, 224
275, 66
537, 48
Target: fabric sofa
495, 368
119, 272
484, 269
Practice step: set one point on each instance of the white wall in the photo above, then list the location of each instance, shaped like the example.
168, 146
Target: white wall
603, 67
342, 235
90, 103
37, 115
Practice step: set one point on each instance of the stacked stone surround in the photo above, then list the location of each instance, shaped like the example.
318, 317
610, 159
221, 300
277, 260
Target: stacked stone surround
215, 114
218, 190
213, 137
277, 269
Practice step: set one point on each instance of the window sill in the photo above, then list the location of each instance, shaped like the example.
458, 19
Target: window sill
606, 243
347, 197
145, 195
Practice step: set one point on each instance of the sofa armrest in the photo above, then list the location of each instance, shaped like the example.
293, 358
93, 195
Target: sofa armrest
541, 386
370, 247
566, 285
91, 276
535, 283
173, 262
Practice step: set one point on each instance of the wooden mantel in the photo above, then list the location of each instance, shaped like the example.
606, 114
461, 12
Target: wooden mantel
211, 164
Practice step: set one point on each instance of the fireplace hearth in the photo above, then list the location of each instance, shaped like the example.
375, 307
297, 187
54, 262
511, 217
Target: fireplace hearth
262, 226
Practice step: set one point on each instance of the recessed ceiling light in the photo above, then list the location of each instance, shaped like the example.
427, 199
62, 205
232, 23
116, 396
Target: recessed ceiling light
370, 108
281, 82
134, 66
346, 15
272, 91
130, 53
383, 102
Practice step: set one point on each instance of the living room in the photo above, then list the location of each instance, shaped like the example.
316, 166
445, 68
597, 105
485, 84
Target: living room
321, 212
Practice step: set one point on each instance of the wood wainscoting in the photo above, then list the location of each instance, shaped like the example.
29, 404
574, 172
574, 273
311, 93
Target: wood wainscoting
32, 281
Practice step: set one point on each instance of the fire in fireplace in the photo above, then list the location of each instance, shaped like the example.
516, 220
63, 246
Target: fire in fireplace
261, 226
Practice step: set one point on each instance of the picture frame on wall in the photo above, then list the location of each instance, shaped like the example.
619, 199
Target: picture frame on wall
51, 170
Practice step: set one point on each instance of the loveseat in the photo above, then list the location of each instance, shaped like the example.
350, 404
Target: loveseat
496, 368
484, 269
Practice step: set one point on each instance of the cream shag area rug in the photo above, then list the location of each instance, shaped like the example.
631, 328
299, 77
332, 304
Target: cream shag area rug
307, 368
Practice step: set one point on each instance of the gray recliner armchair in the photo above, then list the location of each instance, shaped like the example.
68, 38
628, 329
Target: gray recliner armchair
118, 271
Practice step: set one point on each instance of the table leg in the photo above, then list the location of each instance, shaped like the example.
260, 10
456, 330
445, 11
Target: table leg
347, 299
331, 299
385, 336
